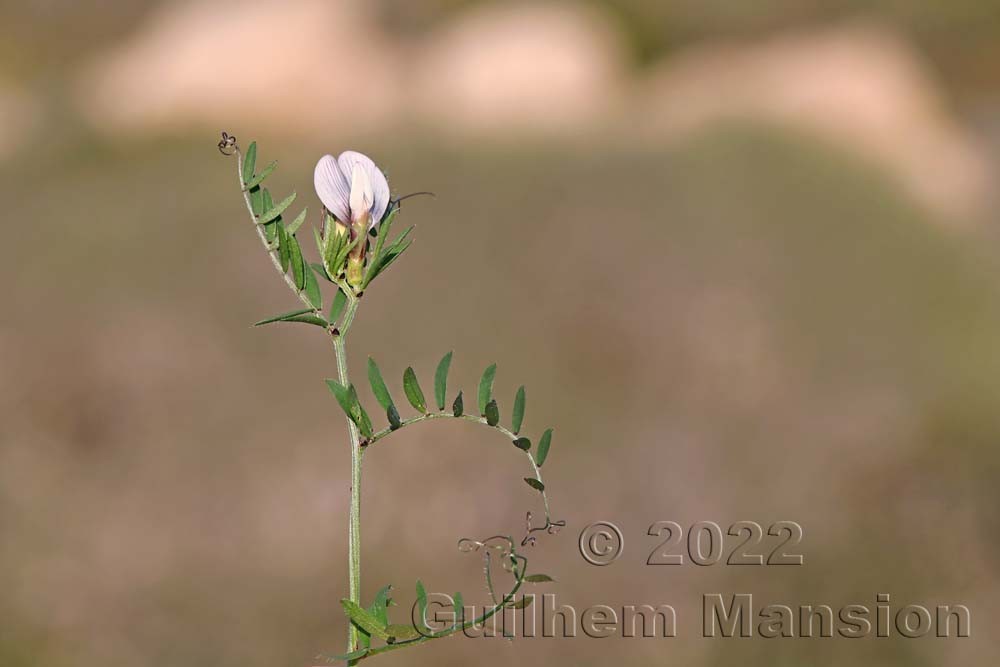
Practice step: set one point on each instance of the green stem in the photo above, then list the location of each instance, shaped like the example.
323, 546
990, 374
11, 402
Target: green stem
354, 525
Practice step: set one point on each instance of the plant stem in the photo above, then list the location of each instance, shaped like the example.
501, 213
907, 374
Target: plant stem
354, 525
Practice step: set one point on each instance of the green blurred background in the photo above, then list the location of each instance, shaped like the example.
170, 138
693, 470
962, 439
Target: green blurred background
741, 254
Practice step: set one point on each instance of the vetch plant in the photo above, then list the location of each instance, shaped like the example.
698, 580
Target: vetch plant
353, 247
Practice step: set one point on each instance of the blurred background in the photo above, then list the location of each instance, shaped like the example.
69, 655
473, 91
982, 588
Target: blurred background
742, 255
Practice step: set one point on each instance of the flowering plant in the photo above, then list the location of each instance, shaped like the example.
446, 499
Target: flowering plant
352, 243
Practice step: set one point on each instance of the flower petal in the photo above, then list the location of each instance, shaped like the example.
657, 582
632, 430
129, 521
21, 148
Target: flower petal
332, 188
380, 187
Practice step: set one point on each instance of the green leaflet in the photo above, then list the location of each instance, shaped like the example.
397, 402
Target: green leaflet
522, 602
275, 211
249, 162
388, 256
347, 397
380, 605
422, 602
309, 319
517, 416
392, 414
270, 230
441, 380
297, 263
378, 385
400, 632
259, 178
492, 413
379, 609
343, 397
283, 317
538, 578
458, 407
320, 272
284, 256
534, 483
413, 392
364, 422
312, 291
543, 447
297, 222
256, 201
522, 443
339, 301
486, 387
364, 620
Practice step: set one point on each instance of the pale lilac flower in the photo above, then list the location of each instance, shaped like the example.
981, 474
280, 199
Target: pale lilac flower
352, 188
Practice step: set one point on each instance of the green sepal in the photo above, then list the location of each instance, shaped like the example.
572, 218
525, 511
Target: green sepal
522, 443
534, 483
517, 415
383, 232
538, 578
412, 389
486, 387
441, 380
458, 407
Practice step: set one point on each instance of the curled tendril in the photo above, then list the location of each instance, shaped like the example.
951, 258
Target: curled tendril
500, 547
551, 527
227, 145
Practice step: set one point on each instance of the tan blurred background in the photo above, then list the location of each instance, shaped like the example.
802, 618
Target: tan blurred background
741, 254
